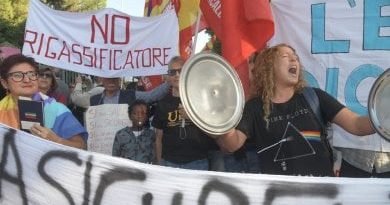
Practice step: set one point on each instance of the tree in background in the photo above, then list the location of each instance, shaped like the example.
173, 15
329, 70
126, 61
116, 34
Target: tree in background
12, 21
13, 14
75, 5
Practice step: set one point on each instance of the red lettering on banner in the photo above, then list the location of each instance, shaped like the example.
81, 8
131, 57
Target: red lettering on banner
110, 60
85, 49
156, 56
166, 54
77, 53
104, 32
63, 53
40, 44
129, 60
95, 50
34, 40
102, 57
99, 58
53, 55
148, 58
115, 20
115, 55
126, 31
136, 58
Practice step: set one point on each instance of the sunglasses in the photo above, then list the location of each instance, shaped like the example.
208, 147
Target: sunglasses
173, 72
45, 75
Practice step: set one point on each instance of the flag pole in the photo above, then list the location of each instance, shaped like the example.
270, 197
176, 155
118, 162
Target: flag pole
196, 31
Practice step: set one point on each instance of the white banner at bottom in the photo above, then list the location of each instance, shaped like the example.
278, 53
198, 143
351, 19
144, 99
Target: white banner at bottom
35, 171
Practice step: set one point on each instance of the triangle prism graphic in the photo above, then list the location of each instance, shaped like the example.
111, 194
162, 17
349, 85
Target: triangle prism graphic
293, 145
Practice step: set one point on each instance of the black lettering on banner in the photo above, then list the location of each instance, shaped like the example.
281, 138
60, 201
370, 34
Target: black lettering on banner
274, 191
147, 199
236, 196
177, 198
9, 141
71, 156
87, 181
114, 175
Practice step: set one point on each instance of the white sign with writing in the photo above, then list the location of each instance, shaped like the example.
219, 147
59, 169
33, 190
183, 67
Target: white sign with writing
105, 42
344, 46
36, 171
102, 122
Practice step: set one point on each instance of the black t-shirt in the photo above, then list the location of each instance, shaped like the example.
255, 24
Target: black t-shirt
180, 144
294, 132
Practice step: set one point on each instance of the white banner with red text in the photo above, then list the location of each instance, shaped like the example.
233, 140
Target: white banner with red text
36, 171
344, 46
105, 42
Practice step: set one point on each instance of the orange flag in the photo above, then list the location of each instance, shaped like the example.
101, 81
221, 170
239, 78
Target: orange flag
187, 12
243, 27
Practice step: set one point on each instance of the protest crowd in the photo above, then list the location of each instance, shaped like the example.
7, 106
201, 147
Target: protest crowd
280, 132
159, 137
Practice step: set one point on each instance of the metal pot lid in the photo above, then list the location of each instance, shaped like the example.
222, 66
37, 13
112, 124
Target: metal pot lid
211, 93
379, 105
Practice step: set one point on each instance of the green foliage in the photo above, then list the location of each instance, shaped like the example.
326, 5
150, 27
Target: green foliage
13, 14
12, 21
6, 11
76, 5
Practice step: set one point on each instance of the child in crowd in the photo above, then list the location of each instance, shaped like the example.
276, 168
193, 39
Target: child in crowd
136, 142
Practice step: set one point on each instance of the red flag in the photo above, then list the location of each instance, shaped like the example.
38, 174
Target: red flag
150, 82
243, 27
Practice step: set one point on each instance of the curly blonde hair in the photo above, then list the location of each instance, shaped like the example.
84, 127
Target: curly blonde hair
263, 77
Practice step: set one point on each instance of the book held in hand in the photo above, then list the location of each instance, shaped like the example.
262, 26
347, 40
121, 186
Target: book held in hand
30, 113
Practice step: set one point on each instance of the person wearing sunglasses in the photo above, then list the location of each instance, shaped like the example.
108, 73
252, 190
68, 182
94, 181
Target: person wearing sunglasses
47, 84
19, 76
179, 142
